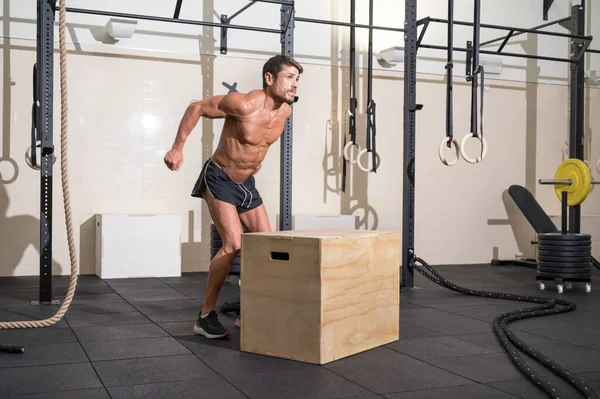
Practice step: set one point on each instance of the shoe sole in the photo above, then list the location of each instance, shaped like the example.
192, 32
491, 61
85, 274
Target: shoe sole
200, 331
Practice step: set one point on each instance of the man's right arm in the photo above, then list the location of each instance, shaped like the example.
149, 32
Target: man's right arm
208, 108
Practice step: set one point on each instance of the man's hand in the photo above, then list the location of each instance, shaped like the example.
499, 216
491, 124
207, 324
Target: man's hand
174, 159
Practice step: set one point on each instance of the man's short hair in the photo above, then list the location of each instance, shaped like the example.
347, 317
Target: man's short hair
274, 66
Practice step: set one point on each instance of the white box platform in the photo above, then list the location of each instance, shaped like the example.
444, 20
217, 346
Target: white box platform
135, 246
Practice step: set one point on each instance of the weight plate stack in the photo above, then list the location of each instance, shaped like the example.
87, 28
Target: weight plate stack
215, 245
564, 256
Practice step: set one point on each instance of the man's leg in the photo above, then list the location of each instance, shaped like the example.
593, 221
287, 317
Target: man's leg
256, 220
226, 220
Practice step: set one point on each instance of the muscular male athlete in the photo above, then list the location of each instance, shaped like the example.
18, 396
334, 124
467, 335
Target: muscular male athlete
253, 122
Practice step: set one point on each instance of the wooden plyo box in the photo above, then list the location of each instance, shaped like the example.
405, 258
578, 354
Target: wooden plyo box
319, 295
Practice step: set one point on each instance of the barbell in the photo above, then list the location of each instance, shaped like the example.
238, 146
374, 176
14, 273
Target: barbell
574, 177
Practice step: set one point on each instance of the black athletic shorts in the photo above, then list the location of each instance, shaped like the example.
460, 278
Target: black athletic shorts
243, 195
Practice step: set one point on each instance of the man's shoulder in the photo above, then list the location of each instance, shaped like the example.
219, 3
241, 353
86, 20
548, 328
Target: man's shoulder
253, 99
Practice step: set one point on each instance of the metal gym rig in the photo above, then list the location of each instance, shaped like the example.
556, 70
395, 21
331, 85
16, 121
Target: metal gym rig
42, 136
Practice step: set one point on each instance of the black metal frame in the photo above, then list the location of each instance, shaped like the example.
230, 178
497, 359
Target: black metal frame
579, 46
43, 130
285, 186
45, 49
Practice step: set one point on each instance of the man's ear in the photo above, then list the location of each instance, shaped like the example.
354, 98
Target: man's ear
269, 78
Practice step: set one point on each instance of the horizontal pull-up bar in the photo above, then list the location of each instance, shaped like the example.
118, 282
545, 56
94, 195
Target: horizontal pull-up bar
511, 28
348, 24
164, 19
537, 57
520, 32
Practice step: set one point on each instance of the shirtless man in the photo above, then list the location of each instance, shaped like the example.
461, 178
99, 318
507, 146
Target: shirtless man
253, 122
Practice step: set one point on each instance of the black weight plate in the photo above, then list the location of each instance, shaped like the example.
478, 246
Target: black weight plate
559, 270
563, 244
556, 240
564, 275
565, 259
577, 252
564, 237
564, 264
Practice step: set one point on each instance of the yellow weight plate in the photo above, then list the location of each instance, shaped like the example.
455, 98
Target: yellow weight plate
581, 181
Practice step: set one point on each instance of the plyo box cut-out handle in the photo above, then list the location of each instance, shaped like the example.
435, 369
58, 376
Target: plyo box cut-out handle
284, 256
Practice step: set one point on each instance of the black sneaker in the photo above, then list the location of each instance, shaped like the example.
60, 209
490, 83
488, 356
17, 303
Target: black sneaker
210, 326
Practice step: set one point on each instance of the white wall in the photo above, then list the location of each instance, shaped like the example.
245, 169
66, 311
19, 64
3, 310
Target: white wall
126, 100
182, 39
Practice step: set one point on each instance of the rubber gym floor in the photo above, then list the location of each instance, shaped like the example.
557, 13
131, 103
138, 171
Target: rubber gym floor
134, 339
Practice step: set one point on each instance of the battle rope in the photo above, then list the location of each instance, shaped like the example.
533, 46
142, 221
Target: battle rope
65, 185
509, 340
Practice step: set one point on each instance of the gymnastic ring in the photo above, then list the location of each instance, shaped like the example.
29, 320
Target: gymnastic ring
462, 149
14, 165
28, 157
456, 148
347, 148
360, 154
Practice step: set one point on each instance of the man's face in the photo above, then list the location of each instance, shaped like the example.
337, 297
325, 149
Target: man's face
284, 87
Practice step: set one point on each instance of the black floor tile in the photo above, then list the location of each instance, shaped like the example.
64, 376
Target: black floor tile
437, 347
85, 299
574, 335
53, 378
133, 284
486, 368
463, 392
30, 313
576, 359
118, 332
313, 383
524, 388
204, 347
383, 370
101, 308
37, 336
491, 341
153, 294
179, 328
44, 355
213, 388
444, 322
84, 319
152, 370
154, 307
230, 364
138, 334
94, 393
408, 331
133, 348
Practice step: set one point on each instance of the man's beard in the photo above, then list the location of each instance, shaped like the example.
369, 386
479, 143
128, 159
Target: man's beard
284, 99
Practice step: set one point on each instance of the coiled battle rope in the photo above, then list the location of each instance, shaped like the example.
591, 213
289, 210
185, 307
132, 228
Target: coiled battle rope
509, 340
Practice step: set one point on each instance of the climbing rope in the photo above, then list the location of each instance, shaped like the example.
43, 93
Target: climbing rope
509, 340
65, 185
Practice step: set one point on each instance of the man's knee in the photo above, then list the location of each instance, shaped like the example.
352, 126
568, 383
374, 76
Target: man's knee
232, 244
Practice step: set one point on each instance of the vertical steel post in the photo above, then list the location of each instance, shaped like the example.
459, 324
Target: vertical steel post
577, 96
44, 123
285, 199
410, 109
